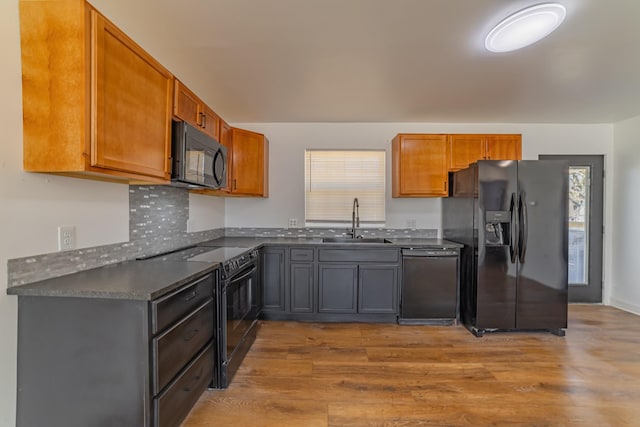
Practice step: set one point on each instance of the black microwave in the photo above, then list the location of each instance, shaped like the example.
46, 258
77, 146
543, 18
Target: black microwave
198, 159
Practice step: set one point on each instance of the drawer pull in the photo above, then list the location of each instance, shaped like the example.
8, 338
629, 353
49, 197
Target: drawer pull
191, 296
190, 335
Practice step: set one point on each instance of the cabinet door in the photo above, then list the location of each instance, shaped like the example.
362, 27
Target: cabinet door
302, 287
504, 147
337, 291
273, 280
378, 289
55, 95
131, 109
420, 165
187, 105
210, 122
225, 134
250, 162
465, 149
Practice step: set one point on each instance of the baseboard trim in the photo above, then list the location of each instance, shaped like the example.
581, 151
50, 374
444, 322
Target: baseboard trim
624, 305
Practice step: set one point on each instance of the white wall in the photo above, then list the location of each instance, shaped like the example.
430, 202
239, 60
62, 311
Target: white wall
289, 140
286, 179
625, 292
286, 164
33, 205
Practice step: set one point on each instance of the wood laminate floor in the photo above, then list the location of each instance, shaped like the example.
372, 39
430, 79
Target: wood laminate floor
348, 375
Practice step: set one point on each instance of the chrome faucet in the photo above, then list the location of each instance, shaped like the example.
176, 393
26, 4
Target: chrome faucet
355, 219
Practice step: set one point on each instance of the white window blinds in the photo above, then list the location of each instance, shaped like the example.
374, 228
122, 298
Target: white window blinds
333, 178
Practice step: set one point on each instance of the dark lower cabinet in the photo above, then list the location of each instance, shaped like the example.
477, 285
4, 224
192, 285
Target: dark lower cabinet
358, 288
302, 285
330, 283
360, 281
273, 280
338, 288
378, 289
174, 348
115, 362
174, 403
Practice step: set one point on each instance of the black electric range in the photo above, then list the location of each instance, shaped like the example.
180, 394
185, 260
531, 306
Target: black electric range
237, 300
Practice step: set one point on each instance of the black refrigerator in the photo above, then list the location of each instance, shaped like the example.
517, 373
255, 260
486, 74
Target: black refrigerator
512, 218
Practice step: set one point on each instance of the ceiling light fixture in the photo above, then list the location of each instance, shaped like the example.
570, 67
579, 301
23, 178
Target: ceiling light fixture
525, 27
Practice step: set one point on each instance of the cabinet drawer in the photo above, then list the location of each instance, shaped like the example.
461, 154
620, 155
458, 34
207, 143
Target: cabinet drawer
168, 309
302, 254
359, 255
173, 405
175, 347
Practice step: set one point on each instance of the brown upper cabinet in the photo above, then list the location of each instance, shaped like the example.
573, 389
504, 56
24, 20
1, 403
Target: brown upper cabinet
421, 162
419, 165
249, 163
469, 148
188, 107
466, 149
504, 147
95, 104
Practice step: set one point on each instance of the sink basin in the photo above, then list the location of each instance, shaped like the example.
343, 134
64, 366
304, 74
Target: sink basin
352, 240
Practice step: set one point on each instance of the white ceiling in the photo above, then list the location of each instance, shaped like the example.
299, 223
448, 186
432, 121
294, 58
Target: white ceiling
403, 60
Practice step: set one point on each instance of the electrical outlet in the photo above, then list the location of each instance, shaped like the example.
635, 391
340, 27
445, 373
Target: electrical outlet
66, 237
293, 222
411, 223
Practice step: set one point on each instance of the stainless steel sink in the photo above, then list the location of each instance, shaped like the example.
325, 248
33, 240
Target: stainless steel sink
357, 240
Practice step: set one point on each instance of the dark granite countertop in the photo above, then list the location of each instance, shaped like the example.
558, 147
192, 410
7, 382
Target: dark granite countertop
134, 280
150, 279
255, 242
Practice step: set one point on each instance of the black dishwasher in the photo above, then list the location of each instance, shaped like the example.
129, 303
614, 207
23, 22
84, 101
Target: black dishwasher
429, 287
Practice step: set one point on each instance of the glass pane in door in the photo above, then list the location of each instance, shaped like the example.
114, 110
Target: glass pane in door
579, 183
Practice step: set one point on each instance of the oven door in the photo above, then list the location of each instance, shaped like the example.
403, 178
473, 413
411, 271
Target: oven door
239, 309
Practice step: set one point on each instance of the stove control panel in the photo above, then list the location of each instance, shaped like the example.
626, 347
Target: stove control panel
239, 262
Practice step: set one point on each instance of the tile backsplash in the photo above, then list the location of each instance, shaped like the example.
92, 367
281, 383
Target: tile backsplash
158, 223
330, 232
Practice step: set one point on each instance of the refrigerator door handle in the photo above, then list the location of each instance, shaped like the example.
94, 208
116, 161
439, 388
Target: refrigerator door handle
513, 230
522, 208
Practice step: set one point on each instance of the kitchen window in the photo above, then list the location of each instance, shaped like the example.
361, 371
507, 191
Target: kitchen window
333, 178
